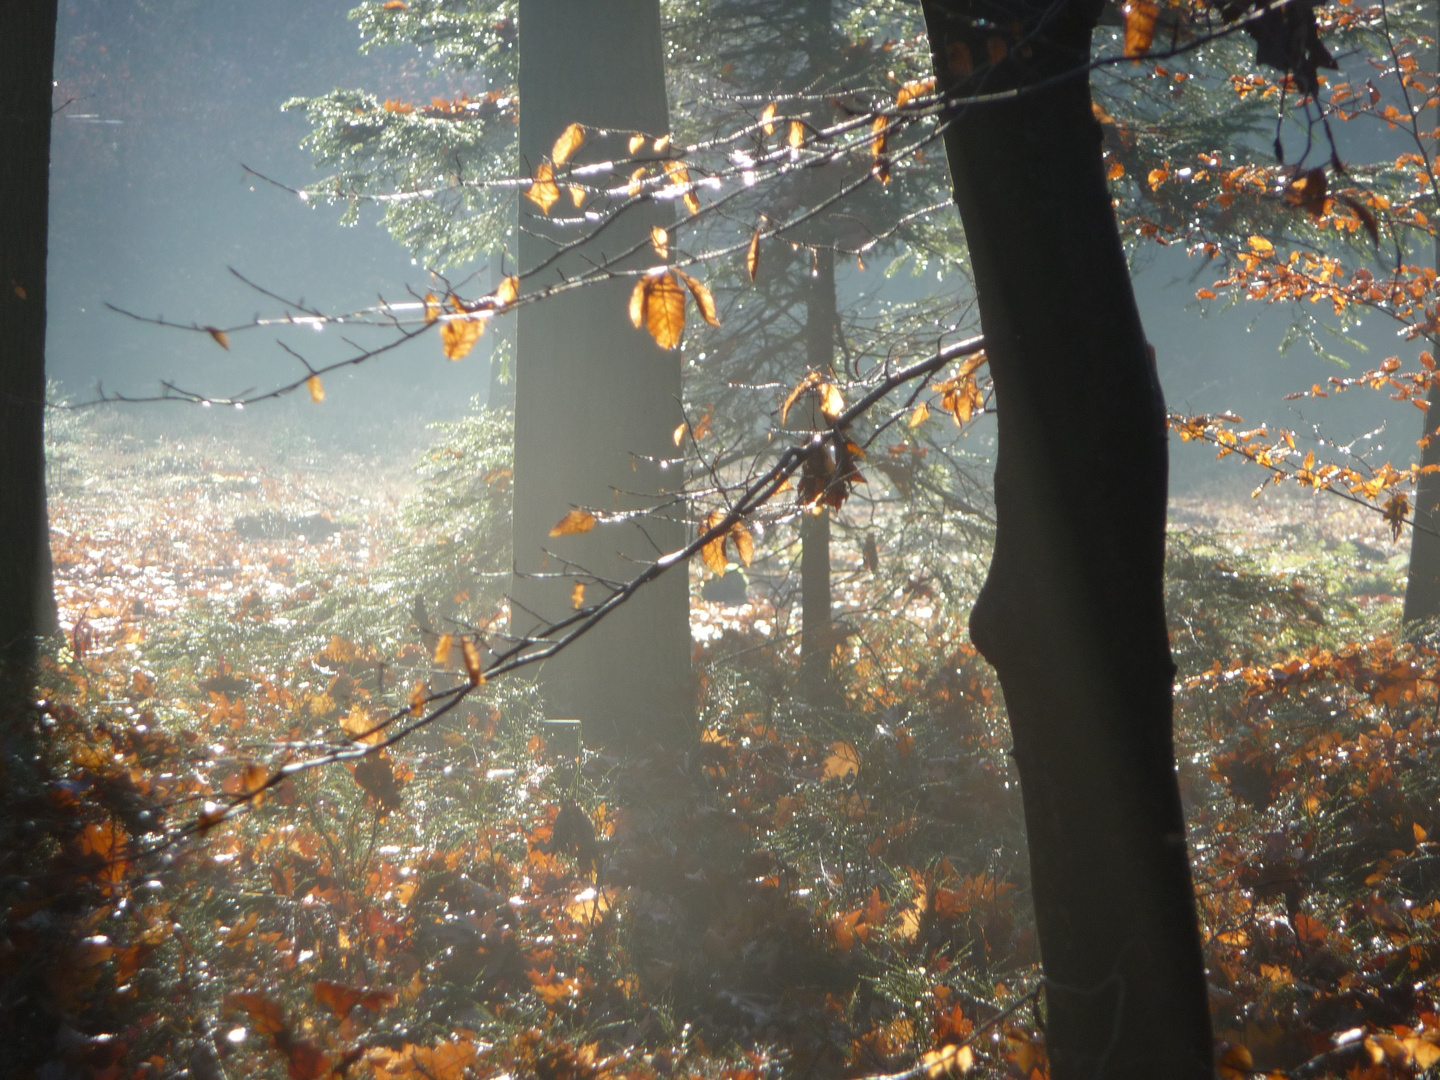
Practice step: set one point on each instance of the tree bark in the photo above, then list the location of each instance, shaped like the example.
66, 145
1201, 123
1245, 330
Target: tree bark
596, 400
816, 638
1072, 613
27, 601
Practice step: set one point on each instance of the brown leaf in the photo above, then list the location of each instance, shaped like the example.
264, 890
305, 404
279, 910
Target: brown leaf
912, 90
544, 192
458, 337
831, 403
376, 775
871, 553
577, 195
507, 291
221, 338
744, 543
265, 1014
843, 761
395, 5
660, 241
752, 257
316, 388
713, 553
1366, 216
1140, 17
658, 304
432, 308
442, 649
804, 384
703, 300
570, 140
919, 416
576, 521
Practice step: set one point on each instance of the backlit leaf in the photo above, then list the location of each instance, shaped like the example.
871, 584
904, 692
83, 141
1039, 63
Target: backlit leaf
1116, 171
658, 305
577, 195
577, 596
917, 89
395, 5
221, 338
576, 521
703, 300
752, 257
442, 649
570, 140
679, 434
842, 761
458, 337
713, 553
473, 665
432, 308
1140, 17
316, 388
767, 118
265, 1015
507, 291
660, 241
662, 144
744, 543
919, 416
636, 142
797, 135
831, 403
948, 1062
544, 192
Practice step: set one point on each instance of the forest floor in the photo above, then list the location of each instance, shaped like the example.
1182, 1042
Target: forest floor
835, 892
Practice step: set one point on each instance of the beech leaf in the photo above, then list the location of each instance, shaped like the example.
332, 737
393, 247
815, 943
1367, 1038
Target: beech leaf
570, 140
316, 388
544, 192
458, 337
576, 521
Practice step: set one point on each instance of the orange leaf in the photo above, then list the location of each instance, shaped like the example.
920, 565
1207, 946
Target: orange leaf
395, 5
713, 553
797, 135
221, 338
576, 521
392, 106
543, 192
1140, 18
660, 241
843, 761
831, 403
336, 997
767, 117
1205, 294
912, 90
703, 300
473, 667
507, 291
662, 144
458, 337
752, 257
1116, 171
570, 140
636, 142
432, 308
442, 649
919, 416
316, 388
266, 1016
658, 304
744, 543
1158, 177
948, 1062
577, 596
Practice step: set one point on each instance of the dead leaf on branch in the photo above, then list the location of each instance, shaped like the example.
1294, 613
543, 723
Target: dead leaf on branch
544, 192
221, 338
316, 388
570, 140
576, 521
1140, 19
458, 337
703, 300
657, 304
752, 257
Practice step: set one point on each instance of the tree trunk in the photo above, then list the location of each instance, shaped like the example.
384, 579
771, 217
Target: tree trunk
1422, 587
816, 644
596, 400
500, 393
27, 600
1072, 613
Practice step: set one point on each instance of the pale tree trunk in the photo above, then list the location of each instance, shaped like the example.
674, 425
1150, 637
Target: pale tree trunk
596, 400
1422, 587
816, 636
27, 601
1072, 613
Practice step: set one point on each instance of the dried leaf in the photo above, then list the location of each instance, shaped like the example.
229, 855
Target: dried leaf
265, 1015
703, 300
752, 257
577, 596
744, 543
767, 118
679, 435
1366, 216
395, 5
316, 388
570, 140
544, 192
662, 144
636, 142
810, 380
458, 337
221, 338
797, 135
432, 308
1140, 18
507, 291
442, 649
912, 90
577, 195
919, 416
842, 761
713, 553
1116, 171
871, 553
473, 665
831, 403
375, 774
635, 178
657, 304
576, 521
660, 241
948, 1062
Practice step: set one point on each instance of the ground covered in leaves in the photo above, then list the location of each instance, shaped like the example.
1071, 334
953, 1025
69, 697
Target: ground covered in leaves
804, 892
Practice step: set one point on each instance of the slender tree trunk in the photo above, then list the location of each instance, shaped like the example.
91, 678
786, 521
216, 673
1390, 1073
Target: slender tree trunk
816, 637
27, 601
596, 400
1072, 613
1422, 587
501, 392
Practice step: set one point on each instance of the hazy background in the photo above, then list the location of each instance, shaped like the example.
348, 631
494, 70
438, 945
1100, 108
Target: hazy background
150, 205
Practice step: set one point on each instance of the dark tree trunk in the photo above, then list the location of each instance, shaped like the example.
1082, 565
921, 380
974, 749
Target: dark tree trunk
27, 601
596, 400
1072, 614
816, 638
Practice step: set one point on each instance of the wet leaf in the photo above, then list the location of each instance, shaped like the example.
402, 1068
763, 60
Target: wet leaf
458, 337
576, 521
264, 1013
570, 140
744, 543
376, 776
316, 388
